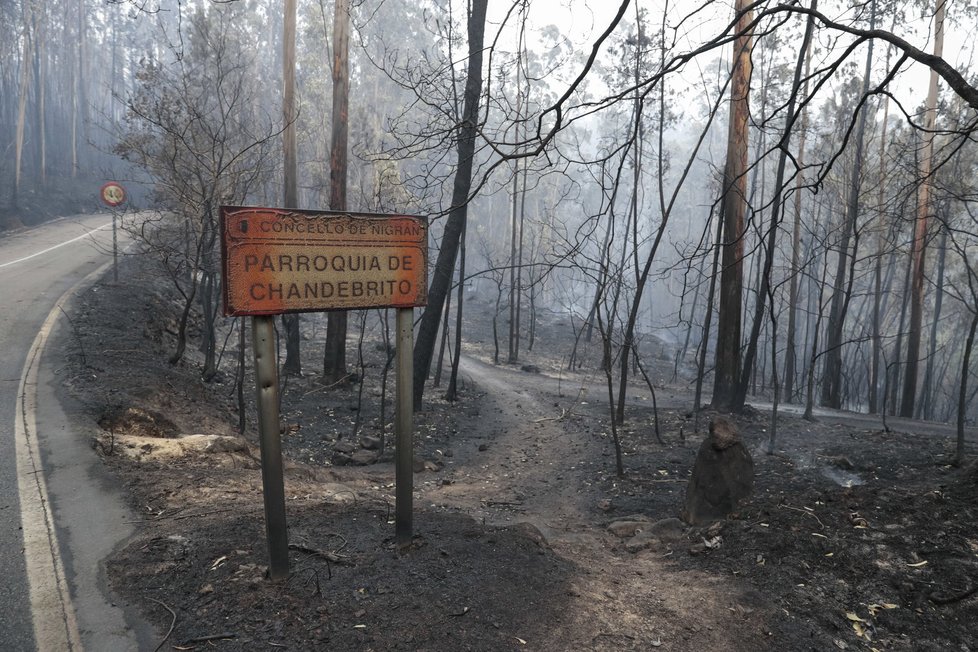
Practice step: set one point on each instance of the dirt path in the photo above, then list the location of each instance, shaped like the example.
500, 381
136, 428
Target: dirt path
519, 464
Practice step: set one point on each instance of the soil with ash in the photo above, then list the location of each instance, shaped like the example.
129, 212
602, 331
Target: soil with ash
525, 536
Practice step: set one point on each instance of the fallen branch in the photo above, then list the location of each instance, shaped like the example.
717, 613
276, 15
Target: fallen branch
954, 597
328, 556
563, 414
183, 516
209, 638
173, 623
805, 511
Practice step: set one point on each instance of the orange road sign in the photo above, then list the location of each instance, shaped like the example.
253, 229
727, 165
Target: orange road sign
279, 260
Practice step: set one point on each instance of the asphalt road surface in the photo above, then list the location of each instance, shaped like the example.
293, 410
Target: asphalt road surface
59, 515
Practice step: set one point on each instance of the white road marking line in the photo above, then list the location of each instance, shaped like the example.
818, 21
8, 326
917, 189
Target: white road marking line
57, 246
55, 625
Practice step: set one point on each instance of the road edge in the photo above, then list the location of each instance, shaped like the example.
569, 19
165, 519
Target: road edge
55, 622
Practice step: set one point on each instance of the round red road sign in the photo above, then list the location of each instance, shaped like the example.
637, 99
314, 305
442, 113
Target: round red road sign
113, 193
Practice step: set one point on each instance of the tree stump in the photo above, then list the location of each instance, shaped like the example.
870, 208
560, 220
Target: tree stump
722, 478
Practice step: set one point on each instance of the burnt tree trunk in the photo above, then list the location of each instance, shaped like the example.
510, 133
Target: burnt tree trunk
441, 281
727, 370
832, 369
922, 224
290, 323
334, 356
740, 395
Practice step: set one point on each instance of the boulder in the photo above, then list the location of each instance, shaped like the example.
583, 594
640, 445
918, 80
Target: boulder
626, 528
668, 530
345, 446
371, 443
364, 457
722, 478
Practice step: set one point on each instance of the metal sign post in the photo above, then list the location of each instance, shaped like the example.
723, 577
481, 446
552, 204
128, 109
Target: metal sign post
273, 482
113, 194
404, 429
115, 251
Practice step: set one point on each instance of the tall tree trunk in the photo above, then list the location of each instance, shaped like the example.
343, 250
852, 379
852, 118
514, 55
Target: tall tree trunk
25, 76
334, 357
82, 83
637, 136
919, 248
515, 232
813, 357
727, 369
40, 75
293, 361
740, 394
707, 321
441, 281
444, 341
963, 389
926, 407
519, 267
893, 374
451, 394
874, 380
599, 286
75, 70
832, 369
791, 354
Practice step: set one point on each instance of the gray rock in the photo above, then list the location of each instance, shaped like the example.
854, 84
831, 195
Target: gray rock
642, 542
345, 446
340, 459
371, 443
364, 457
624, 528
668, 530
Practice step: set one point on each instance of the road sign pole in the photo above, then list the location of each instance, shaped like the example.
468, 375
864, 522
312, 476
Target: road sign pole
115, 250
404, 428
273, 481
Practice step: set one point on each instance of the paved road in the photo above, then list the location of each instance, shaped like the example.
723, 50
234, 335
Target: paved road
58, 516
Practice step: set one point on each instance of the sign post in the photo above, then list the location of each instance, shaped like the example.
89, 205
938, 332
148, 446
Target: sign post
282, 260
113, 194
404, 429
272, 476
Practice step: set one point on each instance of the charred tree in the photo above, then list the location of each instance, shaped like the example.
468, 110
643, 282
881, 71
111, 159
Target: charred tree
334, 357
740, 395
727, 369
921, 227
441, 281
293, 362
832, 366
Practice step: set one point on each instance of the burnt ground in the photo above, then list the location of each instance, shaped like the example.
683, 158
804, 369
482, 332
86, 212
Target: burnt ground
525, 537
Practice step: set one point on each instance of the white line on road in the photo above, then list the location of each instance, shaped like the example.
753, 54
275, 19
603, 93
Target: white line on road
66, 242
55, 624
